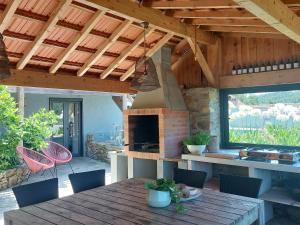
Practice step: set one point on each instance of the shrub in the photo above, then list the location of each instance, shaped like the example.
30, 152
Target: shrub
200, 138
10, 129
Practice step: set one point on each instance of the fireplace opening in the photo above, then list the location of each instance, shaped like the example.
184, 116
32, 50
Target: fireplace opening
143, 133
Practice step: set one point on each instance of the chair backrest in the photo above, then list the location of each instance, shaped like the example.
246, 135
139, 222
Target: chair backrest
238, 185
191, 178
57, 152
35, 160
87, 180
37, 192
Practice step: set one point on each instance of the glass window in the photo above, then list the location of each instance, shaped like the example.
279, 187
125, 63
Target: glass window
261, 118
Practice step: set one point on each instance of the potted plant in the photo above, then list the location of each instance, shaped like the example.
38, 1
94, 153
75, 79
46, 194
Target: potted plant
162, 192
196, 143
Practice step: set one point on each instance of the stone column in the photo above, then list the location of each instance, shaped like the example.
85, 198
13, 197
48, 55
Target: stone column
204, 108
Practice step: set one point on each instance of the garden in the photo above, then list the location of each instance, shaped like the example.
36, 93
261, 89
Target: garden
271, 118
32, 131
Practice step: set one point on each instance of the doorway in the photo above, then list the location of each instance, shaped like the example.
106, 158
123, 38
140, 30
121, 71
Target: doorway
69, 126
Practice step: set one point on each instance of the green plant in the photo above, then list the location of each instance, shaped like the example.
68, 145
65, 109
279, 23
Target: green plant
10, 130
200, 138
170, 186
38, 127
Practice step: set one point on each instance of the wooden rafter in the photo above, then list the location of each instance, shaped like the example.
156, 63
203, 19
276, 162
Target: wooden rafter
125, 53
152, 51
202, 61
37, 78
77, 40
48, 27
240, 29
104, 46
276, 14
131, 10
229, 22
220, 13
202, 4
8, 14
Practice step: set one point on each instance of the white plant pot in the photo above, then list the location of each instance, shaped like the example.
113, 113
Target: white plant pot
158, 199
196, 149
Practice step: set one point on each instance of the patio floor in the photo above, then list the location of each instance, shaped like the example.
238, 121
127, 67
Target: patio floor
79, 164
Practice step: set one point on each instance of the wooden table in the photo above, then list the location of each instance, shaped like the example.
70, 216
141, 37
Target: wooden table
125, 203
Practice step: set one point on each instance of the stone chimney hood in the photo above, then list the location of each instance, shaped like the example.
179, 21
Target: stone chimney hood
169, 94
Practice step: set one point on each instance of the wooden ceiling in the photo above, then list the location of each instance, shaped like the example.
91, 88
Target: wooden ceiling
103, 38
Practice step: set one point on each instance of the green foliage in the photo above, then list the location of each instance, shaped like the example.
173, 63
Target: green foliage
10, 130
39, 127
170, 186
200, 138
270, 135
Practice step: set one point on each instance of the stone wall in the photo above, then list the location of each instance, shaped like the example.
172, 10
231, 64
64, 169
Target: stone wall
203, 105
12, 177
100, 150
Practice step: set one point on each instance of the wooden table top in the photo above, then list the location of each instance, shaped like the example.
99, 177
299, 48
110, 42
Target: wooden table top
125, 203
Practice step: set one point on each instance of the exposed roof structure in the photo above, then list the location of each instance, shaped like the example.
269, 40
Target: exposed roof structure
104, 39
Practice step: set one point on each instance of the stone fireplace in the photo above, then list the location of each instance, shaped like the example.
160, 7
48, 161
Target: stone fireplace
159, 120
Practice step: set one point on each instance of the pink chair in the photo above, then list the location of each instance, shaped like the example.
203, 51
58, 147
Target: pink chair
35, 161
58, 153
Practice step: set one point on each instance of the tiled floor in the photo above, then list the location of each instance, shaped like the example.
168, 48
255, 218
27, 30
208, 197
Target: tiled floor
79, 164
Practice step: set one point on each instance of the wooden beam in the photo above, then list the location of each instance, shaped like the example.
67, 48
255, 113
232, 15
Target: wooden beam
151, 52
229, 22
8, 13
191, 4
254, 35
261, 79
156, 18
48, 27
220, 13
201, 4
77, 40
202, 61
181, 60
104, 46
240, 29
34, 78
276, 14
126, 53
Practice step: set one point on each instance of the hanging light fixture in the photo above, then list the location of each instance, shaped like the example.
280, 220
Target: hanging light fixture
4, 62
146, 78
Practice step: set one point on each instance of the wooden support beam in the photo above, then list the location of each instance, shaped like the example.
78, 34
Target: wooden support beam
241, 29
8, 13
201, 4
48, 27
276, 14
77, 40
151, 52
229, 22
34, 78
261, 79
156, 18
221, 13
104, 46
202, 62
126, 53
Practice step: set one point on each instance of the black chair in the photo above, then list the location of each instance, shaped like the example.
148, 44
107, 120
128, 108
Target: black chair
87, 180
191, 178
37, 192
244, 186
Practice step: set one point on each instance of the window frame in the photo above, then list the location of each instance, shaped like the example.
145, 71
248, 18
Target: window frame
224, 123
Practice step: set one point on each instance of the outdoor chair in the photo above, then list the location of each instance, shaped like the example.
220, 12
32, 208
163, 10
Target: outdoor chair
35, 161
191, 178
87, 180
238, 185
37, 192
58, 154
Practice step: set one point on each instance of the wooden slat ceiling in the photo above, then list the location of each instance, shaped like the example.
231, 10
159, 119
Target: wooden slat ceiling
70, 36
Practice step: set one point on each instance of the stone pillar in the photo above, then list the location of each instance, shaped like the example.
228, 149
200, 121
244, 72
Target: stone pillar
204, 108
